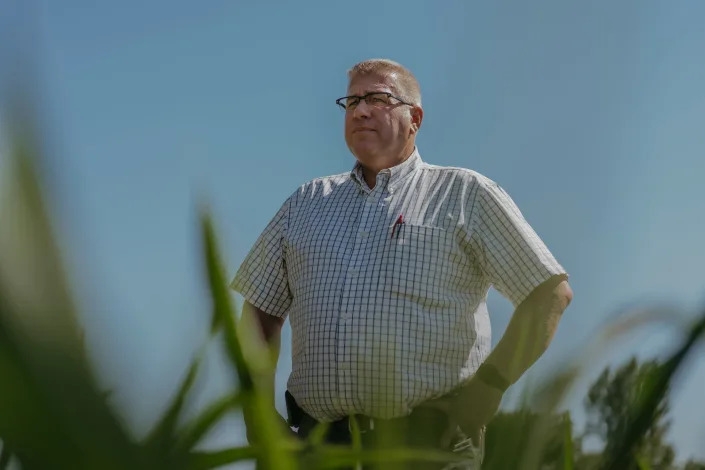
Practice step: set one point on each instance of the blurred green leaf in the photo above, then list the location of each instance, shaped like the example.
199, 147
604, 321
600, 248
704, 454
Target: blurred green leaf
5, 456
223, 312
643, 464
264, 424
161, 439
333, 456
568, 457
207, 460
526, 440
620, 451
355, 434
550, 394
197, 429
627, 320
52, 414
318, 434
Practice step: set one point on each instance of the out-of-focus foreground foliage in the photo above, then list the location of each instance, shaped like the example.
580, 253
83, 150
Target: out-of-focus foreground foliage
613, 401
54, 415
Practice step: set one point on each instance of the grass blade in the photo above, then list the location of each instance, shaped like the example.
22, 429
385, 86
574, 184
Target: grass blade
207, 460
197, 429
335, 456
568, 454
264, 424
162, 436
355, 433
223, 312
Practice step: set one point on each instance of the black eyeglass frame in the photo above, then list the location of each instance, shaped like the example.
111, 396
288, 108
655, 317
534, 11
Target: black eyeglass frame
364, 97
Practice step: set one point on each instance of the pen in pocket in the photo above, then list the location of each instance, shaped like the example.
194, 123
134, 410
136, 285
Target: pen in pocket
398, 223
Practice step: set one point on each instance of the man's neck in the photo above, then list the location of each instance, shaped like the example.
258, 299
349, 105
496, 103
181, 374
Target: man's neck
370, 175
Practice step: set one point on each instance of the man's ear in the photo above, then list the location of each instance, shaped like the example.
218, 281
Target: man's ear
416, 118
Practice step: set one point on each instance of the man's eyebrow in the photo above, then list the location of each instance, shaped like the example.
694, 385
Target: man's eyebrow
373, 91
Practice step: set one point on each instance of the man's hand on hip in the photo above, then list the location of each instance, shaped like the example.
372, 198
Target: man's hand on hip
473, 407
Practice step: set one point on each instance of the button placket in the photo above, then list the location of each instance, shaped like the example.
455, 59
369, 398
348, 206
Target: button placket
367, 220
344, 349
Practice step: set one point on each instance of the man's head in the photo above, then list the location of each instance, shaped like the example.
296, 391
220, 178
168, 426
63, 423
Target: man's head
381, 130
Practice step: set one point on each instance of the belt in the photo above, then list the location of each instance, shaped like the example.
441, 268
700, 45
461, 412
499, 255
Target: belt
297, 417
426, 427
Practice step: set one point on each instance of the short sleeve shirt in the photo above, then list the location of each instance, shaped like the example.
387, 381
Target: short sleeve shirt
386, 288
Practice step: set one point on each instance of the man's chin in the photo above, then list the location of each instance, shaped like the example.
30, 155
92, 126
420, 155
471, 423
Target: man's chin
364, 153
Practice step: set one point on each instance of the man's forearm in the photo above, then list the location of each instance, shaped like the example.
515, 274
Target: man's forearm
531, 329
270, 328
527, 336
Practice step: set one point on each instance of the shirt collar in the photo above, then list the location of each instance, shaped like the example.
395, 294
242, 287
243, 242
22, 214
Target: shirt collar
391, 176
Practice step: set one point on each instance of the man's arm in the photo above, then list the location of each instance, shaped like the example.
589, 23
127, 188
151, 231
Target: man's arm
531, 329
270, 328
527, 336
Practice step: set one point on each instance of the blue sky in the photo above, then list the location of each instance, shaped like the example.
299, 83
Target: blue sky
589, 114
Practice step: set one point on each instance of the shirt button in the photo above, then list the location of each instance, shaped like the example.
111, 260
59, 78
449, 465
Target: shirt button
364, 234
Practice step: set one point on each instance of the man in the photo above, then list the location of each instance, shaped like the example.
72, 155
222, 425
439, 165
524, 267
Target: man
384, 273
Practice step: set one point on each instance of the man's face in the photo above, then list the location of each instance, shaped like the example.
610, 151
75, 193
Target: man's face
379, 137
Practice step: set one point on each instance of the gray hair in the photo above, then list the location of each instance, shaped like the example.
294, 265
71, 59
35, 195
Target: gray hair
406, 84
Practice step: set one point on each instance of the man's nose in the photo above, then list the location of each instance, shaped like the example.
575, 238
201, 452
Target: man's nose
362, 110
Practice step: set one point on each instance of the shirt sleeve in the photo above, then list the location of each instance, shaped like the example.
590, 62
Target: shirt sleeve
510, 253
262, 278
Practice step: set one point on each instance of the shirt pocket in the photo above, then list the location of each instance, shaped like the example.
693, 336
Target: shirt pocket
422, 261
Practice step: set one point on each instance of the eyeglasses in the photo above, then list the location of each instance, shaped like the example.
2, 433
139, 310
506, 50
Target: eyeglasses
378, 99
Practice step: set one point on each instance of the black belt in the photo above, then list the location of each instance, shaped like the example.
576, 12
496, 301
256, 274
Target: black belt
427, 415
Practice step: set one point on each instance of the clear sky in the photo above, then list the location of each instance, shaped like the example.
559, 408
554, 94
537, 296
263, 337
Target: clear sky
590, 114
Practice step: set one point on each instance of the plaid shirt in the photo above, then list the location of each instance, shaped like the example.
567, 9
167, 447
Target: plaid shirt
386, 288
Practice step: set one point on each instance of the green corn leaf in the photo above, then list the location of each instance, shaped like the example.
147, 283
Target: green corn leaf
336, 456
318, 434
223, 312
207, 460
356, 436
568, 457
161, 438
52, 413
213, 459
197, 429
264, 424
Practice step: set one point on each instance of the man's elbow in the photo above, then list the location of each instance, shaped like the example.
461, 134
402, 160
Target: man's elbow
552, 310
550, 298
563, 295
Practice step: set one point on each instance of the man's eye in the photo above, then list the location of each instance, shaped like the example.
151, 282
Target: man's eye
377, 99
